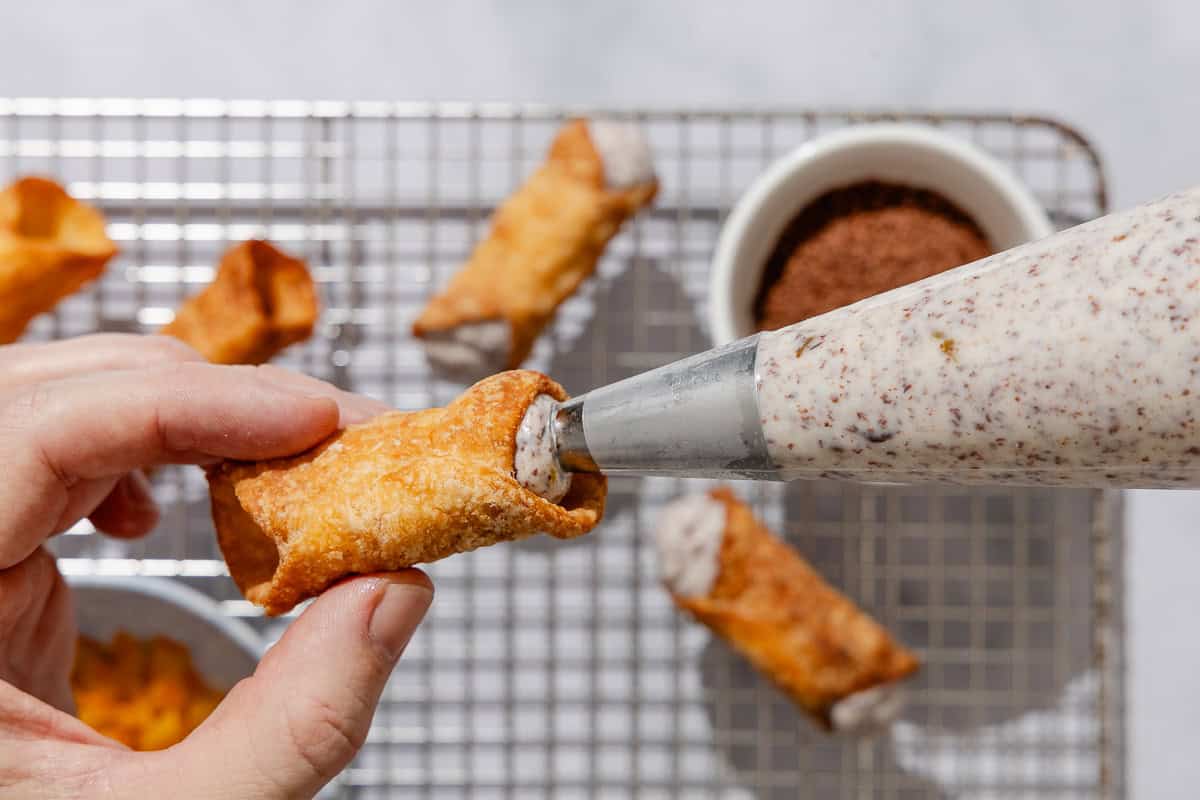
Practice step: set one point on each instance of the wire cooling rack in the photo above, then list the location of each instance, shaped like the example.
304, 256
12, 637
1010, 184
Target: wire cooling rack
560, 668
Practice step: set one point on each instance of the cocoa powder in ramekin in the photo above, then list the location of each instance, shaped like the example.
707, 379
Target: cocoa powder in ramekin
858, 241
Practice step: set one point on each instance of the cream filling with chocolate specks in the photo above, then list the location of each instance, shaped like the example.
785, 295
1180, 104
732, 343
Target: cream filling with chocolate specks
470, 351
688, 540
624, 151
535, 462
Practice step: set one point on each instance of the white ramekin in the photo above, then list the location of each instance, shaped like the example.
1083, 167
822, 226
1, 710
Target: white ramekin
224, 649
914, 155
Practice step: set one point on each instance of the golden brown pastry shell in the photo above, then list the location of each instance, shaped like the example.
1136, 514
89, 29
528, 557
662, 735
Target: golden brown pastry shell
545, 240
403, 489
51, 245
261, 301
775, 609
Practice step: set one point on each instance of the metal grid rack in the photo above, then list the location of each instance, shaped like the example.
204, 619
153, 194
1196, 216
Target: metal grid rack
559, 668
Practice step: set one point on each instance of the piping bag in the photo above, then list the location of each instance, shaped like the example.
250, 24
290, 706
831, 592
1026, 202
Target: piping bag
1073, 360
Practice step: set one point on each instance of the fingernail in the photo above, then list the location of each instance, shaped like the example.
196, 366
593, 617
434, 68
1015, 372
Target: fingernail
303, 390
398, 613
354, 413
311, 396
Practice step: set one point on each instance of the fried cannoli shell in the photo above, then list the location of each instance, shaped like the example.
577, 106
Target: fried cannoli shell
544, 241
774, 608
261, 301
402, 489
50, 246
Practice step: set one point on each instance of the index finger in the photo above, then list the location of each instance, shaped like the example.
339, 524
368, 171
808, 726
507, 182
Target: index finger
34, 363
59, 435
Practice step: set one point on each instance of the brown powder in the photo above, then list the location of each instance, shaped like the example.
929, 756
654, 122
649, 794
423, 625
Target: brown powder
858, 241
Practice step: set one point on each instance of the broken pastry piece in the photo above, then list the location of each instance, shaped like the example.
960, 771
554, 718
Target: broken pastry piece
405, 488
545, 240
50, 246
727, 570
261, 301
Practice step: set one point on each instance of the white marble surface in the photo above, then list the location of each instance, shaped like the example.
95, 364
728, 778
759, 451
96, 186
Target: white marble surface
1125, 73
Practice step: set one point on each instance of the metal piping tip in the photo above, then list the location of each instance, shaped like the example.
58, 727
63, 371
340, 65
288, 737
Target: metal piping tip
694, 418
570, 442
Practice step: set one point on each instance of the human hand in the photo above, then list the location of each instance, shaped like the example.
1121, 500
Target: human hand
78, 419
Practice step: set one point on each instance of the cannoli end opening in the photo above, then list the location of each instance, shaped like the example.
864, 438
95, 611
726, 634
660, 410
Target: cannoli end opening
470, 351
535, 462
40, 211
688, 540
265, 258
869, 711
252, 556
624, 152
284, 289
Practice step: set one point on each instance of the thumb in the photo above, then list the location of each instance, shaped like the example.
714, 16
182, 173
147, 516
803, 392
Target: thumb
294, 725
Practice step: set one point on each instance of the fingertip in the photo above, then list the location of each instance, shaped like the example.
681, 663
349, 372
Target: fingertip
353, 408
410, 576
391, 604
356, 410
129, 511
324, 409
318, 403
282, 419
327, 671
128, 526
377, 581
401, 608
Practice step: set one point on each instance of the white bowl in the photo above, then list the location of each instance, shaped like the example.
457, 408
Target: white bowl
912, 155
224, 649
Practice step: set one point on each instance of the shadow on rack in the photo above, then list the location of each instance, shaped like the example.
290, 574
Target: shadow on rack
990, 587
773, 747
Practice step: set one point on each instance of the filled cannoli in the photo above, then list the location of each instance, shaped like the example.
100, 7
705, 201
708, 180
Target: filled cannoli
50, 246
404, 488
727, 570
260, 301
544, 241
